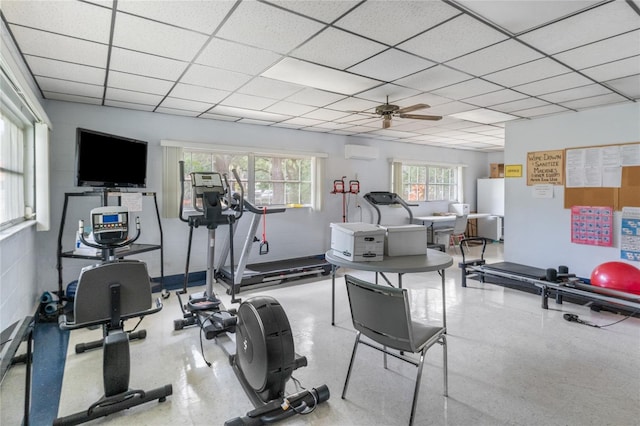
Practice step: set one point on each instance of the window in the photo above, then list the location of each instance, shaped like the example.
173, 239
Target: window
12, 171
418, 182
268, 179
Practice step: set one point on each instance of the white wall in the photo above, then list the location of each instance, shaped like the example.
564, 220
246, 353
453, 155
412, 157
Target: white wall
18, 284
538, 230
298, 232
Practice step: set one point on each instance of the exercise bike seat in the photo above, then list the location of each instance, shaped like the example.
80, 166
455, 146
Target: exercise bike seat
92, 303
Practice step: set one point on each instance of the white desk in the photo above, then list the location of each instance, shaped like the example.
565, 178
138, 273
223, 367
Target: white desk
433, 260
428, 221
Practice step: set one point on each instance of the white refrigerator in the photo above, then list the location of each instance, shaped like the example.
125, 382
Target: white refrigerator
490, 199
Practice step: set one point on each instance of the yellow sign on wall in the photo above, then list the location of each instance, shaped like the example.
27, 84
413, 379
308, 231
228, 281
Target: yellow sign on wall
513, 170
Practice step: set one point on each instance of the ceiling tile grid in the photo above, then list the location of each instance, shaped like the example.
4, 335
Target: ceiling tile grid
325, 65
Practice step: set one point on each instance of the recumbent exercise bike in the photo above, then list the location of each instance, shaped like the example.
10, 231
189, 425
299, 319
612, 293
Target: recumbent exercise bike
107, 294
263, 356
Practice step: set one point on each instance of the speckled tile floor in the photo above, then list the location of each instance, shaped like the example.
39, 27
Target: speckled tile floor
510, 363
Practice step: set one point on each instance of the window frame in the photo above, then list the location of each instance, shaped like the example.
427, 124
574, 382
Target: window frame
424, 172
173, 151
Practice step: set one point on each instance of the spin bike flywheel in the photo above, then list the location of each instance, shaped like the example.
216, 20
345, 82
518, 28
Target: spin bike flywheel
264, 346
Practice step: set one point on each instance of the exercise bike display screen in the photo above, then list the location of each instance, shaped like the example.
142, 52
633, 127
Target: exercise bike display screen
111, 218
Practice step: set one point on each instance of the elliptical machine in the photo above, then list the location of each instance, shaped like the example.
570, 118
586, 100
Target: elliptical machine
107, 294
257, 336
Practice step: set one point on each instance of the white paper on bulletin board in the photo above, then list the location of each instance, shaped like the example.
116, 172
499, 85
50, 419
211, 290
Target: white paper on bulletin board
630, 234
132, 201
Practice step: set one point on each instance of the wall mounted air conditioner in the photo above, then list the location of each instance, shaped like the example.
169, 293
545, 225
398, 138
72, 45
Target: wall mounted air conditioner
360, 152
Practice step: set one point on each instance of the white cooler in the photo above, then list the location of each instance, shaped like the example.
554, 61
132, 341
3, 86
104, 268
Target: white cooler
357, 241
405, 240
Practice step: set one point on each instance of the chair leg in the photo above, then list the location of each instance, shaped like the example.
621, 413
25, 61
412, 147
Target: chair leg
445, 370
353, 357
417, 388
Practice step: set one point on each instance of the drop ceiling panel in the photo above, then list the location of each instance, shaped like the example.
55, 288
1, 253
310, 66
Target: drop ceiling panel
215, 78
72, 98
238, 57
315, 97
629, 86
353, 104
198, 93
554, 84
391, 65
184, 104
531, 71
519, 105
121, 80
269, 88
202, 16
450, 108
326, 114
61, 17
151, 37
454, 38
219, 117
387, 23
304, 73
69, 87
576, 93
264, 26
611, 49
494, 98
129, 105
494, 58
612, 70
541, 110
521, 15
47, 45
131, 96
467, 89
337, 49
433, 78
65, 70
176, 111
426, 98
484, 116
596, 24
379, 94
325, 11
594, 101
144, 64
240, 100
289, 108
301, 122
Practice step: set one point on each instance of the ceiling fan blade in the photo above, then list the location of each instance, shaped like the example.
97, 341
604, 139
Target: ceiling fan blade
386, 122
421, 117
412, 108
363, 112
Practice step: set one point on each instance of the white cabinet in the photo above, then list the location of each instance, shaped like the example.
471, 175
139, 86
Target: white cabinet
490, 199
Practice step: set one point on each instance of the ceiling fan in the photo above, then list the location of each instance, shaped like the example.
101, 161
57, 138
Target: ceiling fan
387, 111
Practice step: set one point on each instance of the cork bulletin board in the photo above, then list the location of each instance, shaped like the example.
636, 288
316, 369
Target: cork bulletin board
622, 191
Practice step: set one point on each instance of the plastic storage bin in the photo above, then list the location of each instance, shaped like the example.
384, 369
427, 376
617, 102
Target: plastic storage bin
405, 240
357, 241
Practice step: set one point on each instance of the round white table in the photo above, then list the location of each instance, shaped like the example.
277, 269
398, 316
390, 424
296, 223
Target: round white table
433, 260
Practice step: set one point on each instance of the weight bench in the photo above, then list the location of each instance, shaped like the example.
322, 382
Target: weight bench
107, 295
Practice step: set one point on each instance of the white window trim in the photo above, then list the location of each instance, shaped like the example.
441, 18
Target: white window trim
396, 183
172, 151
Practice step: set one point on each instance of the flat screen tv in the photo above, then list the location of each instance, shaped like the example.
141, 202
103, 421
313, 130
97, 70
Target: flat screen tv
110, 161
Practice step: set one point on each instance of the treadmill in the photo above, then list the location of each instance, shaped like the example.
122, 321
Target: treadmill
265, 273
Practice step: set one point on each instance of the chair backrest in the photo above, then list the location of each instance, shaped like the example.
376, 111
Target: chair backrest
460, 225
381, 313
93, 295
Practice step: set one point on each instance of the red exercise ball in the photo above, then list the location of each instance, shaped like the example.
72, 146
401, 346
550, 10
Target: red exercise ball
617, 276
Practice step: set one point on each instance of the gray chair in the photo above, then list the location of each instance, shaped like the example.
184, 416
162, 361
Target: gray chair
452, 235
382, 314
